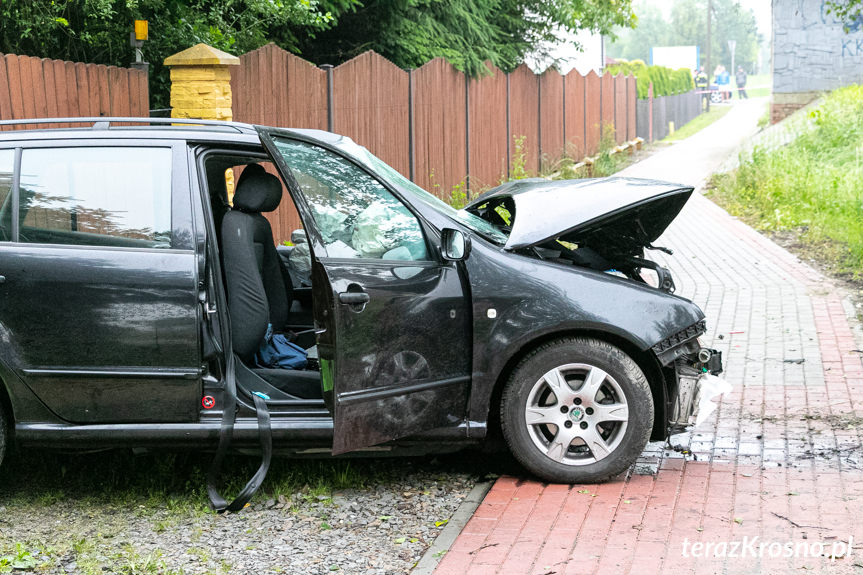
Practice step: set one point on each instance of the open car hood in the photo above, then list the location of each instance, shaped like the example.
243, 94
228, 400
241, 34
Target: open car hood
628, 212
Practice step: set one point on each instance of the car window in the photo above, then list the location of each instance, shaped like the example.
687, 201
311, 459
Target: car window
464, 217
7, 165
355, 214
96, 196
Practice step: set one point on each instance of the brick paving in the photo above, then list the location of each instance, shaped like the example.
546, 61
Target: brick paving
780, 460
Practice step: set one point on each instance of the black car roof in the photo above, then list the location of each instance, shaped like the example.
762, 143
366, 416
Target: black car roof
143, 128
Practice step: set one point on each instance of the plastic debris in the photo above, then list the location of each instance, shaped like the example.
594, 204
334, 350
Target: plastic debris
711, 388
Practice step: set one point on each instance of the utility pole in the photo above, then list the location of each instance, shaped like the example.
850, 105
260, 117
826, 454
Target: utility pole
732, 44
709, 12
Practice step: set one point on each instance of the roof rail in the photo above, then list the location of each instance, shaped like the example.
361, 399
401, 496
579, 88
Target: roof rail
101, 123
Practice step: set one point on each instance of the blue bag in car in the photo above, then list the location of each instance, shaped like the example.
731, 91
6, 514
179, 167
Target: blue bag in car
278, 353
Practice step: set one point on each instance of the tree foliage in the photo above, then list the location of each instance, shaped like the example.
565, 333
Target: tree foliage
466, 32
849, 12
687, 26
408, 32
98, 31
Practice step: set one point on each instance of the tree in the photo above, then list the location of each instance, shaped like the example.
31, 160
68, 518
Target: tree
98, 30
687, 26
652, 30
849, 12
465, 32
408, 32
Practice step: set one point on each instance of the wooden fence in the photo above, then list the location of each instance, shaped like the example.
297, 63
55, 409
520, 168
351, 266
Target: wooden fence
41, 88
434, 124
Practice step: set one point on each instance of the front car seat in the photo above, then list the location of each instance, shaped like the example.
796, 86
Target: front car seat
258, 291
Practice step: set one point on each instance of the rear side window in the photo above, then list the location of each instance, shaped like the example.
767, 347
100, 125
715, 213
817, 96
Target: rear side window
7, 164
96, 196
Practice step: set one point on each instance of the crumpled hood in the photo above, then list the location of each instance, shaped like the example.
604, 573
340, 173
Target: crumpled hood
626, 211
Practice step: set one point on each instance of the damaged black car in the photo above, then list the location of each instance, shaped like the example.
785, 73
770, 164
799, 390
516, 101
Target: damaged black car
142, 292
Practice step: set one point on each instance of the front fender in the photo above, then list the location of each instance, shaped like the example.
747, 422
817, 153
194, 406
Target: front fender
518, 300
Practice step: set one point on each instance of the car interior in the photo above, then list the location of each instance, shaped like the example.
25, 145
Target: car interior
266, 285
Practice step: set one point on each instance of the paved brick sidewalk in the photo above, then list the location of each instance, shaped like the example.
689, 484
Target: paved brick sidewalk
781, 459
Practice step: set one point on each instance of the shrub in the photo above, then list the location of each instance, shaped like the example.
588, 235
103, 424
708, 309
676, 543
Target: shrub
665, 80
810, 185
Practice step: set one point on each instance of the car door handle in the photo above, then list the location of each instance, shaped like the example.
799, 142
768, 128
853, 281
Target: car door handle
2, 279
354, 298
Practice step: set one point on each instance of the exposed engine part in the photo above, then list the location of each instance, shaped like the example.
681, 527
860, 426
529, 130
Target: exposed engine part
697, 386
668, 251
664, 281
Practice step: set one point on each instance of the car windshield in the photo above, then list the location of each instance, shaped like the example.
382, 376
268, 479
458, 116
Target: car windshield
475, 223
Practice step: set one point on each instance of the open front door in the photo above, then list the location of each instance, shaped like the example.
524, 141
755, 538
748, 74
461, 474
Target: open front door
393, 318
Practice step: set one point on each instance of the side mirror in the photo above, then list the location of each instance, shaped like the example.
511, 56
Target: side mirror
455, 246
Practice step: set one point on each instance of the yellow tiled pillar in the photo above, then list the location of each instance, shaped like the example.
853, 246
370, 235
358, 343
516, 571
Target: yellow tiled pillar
201, 88
201, 83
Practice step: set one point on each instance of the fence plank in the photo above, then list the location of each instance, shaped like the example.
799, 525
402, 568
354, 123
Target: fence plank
60, 94
71, 96
592, 119
26, 80
439, 128
134, 88
118, 88
307, 89
524, 117
370, 105
37, 77
607, 101
16, 86
82, 73
488, 137
551, 117
631, 95
5, 96
50, 89
93, 100
620, 108
575, 124
104, 91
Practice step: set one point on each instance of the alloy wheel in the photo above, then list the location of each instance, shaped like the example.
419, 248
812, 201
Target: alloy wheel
576, 414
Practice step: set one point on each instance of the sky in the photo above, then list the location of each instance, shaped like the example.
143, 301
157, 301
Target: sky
589, 57
761, 8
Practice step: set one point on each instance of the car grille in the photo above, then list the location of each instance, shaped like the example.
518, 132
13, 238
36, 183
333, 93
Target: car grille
691, 332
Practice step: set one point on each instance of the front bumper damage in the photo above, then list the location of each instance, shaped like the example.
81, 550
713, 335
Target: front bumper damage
695, 383
696, 390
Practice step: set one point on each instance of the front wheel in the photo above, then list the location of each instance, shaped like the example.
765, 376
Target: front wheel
577, 410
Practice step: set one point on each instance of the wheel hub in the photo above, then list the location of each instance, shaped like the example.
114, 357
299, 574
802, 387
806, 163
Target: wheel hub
576, 414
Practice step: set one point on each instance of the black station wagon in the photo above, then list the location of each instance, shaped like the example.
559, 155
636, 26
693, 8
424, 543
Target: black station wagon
139, 281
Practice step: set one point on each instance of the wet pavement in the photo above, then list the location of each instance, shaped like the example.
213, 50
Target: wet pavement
773, 482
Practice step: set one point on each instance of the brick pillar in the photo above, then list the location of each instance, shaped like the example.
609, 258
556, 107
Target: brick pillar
201, 88
201, 83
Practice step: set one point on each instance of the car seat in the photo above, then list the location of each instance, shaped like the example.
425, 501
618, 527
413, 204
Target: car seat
259, 293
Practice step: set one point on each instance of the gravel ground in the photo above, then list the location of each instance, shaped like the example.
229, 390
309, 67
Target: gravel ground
128, 526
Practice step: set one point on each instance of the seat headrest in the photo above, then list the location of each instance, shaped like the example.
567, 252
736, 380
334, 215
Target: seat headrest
258, 192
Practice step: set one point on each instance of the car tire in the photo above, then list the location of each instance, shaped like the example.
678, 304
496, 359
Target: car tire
577, 410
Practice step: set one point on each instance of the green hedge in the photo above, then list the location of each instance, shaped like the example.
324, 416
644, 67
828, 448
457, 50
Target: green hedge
665, 80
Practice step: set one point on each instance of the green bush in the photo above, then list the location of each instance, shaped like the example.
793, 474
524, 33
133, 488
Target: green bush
811, 185
665, 80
